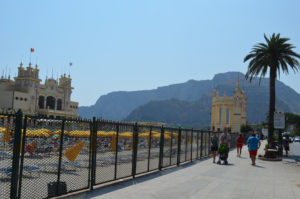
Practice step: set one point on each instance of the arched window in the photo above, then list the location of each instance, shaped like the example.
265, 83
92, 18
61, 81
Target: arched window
59, 102
41, 102
227, 115
50, 102
220, 116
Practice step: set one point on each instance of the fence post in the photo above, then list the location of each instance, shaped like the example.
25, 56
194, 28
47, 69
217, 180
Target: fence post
90, 154
93, 148
171, 145
116, 155
149, 148
134, 152
60, 157
192, 140
186, 143
161, 148
16, 155
197, 144
22, 157
201, 144
179, 146
209, 144
205, 144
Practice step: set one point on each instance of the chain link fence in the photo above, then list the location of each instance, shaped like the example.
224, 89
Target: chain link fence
6, 153
44, 158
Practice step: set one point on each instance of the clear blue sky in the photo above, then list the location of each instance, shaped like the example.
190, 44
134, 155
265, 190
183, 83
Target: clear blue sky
142, 44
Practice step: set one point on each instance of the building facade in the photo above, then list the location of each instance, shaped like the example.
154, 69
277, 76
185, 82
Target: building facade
229, 111
25, 92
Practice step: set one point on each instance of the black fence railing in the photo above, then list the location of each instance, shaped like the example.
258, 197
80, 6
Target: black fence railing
44, 158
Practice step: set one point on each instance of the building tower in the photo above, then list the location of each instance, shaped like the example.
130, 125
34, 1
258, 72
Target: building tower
28, 82
228, 111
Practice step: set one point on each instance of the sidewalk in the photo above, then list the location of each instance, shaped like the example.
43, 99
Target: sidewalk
203, 179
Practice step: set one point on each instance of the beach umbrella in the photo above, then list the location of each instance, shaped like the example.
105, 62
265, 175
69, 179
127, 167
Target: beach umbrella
144, 135
74, 151
77, 133
126, 135
106, 133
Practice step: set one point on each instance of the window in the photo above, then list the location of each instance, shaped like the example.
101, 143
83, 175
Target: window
227, 115
41, 102
21, 98
17, 98
25, 99
50, 102
220, 115
59, 102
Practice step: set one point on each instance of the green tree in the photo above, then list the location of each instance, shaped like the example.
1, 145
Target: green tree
273, 56
246, 128
293, 119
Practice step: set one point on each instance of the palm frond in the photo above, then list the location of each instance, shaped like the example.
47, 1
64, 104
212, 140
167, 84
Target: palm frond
275, 52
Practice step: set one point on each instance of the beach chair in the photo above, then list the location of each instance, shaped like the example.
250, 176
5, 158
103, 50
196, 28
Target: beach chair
30, 170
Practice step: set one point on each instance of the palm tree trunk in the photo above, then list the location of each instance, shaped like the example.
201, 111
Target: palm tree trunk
271, 107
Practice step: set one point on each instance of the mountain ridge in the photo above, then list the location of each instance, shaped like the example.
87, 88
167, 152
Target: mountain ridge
119, 105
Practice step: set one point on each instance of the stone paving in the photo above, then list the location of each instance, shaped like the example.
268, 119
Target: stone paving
203, 179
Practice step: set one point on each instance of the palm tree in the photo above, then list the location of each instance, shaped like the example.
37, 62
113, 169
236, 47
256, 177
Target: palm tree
274, 55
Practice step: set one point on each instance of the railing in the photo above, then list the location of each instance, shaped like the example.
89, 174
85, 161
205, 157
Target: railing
43, 158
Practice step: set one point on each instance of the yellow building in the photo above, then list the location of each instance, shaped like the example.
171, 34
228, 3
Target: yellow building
52, 99
229, 111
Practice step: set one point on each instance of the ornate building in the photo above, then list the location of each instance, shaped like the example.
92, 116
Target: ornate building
26, 92
229, 111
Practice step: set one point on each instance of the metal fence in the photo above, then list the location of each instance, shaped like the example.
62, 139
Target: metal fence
44, 158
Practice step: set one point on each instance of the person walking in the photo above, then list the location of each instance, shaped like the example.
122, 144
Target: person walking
286, 145
253, 146
224, 140
239, 145
214, 146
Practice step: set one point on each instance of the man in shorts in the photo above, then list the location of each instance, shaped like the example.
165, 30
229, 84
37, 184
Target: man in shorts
253, 146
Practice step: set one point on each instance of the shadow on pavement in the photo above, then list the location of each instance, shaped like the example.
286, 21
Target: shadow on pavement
291, 160
120, 184
294, 157
229, 164
258, 166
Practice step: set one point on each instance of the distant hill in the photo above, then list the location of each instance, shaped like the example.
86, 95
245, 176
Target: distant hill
174, 112
118, 105
189, 103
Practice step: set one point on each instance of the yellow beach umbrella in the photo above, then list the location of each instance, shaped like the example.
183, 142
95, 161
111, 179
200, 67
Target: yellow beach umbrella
74, 151
2, 129
36, 133
106, 133
126, 135
77, 133
144, 135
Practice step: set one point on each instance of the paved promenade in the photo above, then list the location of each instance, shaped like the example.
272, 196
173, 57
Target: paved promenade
203, 179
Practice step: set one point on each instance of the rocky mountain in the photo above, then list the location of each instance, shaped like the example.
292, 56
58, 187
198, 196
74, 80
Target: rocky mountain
189, 103
118, 105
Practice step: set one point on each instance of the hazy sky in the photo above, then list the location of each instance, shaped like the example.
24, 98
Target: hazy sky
142, 44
